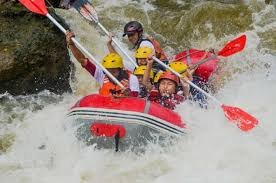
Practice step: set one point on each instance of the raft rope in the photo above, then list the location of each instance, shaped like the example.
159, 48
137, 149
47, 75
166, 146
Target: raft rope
117, 139
147, 107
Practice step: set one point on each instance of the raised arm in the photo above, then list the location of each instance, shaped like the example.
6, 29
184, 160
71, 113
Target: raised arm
76, 52
109, 44
146, 78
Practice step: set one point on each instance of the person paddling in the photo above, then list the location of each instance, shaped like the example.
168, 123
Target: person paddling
166, 93
134, 32
114, 64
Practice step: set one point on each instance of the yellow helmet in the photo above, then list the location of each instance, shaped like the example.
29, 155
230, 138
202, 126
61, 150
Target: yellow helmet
157, 76
178, 66
141, 71
143, 52
112, 61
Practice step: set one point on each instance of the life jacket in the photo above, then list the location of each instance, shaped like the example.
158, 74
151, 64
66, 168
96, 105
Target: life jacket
169, 102
109, 88
159, 53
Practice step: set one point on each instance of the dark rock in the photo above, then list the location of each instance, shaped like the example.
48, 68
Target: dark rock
33, 53
54, 3
268, 1
7, 1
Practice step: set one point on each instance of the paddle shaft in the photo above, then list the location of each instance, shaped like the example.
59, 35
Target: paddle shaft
90, 56
190, 83
116, 43
204, 60
188, 55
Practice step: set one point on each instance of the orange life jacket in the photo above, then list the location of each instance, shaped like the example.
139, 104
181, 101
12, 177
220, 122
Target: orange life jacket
108, 88
160, 54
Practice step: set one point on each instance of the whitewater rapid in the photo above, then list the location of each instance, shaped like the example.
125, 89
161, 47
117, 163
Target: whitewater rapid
213, 151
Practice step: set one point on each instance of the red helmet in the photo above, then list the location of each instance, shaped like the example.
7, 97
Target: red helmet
170, 76
132, 27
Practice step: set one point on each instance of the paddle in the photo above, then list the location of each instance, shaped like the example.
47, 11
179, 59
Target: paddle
189, 54
39, 7
234, 46
243, 120
87, 10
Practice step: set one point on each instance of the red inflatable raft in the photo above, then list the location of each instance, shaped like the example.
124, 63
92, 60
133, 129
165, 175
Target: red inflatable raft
107, 121
193, 56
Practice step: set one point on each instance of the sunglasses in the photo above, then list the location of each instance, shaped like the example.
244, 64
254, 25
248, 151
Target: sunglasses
130, 35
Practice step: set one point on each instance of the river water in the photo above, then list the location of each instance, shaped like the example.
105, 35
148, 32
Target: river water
36, 146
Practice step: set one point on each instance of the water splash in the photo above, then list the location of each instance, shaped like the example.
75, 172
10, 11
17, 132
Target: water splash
215, 150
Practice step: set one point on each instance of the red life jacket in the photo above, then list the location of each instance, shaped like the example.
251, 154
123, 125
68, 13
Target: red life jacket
168, 102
